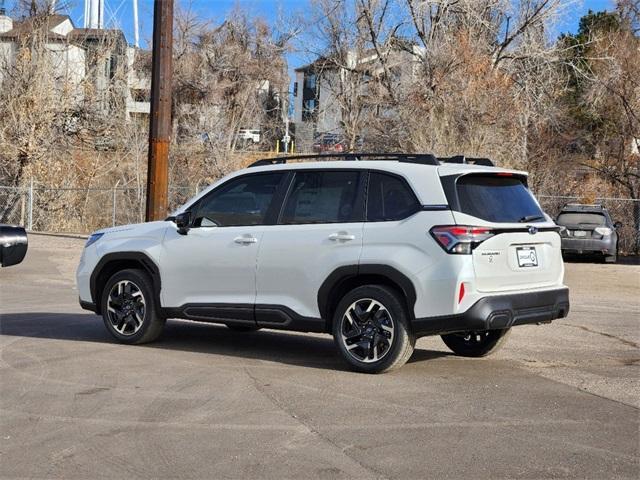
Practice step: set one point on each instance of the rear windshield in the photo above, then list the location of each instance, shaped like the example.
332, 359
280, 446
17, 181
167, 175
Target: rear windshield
497, 199
581, 218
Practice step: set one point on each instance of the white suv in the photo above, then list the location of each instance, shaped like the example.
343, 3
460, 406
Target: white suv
378, 251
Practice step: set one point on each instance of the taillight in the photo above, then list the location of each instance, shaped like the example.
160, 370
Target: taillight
461, 239
604, 231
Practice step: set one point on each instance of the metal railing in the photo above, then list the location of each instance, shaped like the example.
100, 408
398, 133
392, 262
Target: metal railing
83, 210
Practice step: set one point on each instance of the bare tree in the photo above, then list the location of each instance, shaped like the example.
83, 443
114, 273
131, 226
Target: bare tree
58, 126
227, 77
612, 101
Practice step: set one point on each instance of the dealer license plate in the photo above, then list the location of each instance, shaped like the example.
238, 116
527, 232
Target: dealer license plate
527, 256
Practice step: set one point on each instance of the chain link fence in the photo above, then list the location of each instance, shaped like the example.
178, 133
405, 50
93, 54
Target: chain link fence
79, 210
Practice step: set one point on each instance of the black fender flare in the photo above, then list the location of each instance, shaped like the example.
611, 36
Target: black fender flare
122, 258
344, 273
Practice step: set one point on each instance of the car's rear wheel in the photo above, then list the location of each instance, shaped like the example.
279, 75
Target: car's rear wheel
476, 344
371, 329
129, 309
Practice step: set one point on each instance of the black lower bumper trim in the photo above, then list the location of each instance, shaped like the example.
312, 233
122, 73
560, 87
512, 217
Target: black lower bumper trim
88, 306
500, 311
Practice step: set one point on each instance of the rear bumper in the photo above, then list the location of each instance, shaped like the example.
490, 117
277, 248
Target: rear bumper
500, 311
588, 245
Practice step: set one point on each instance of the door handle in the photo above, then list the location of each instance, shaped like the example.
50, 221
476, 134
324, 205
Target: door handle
245, 240
341, 237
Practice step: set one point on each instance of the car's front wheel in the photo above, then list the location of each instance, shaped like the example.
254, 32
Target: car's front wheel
129, 309
476, 344
371, 329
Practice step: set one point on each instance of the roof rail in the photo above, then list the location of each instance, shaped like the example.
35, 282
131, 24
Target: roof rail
454, 159
421, 158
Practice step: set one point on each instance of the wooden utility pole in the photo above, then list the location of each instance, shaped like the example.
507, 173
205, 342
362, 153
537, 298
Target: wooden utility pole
160, 120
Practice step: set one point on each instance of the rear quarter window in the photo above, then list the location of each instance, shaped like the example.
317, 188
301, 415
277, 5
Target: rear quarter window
389, 198
501, 199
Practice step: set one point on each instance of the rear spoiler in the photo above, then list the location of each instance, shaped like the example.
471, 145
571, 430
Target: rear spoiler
583, 207
461, 159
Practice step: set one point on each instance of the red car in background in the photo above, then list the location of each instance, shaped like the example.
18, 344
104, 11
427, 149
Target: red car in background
328, 143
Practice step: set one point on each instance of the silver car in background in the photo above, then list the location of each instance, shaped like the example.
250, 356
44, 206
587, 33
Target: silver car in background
588, 230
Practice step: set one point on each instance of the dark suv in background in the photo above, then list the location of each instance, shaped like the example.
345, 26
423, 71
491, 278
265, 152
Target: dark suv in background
588, 230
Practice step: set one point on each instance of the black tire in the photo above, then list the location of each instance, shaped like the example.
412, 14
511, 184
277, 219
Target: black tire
122, 312
369, 335
243, 328
476, 344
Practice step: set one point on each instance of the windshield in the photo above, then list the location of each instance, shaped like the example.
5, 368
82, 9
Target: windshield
581, 218
498, 199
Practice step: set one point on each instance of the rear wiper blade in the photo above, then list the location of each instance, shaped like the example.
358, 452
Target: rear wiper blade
531, 218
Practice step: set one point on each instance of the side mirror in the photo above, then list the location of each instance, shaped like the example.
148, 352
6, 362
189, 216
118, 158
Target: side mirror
183, 222
13, 245
617, 225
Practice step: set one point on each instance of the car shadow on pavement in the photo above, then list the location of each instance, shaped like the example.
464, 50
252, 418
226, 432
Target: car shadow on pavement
290, 348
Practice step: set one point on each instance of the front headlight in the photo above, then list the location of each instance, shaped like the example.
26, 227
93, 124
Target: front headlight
604, 231
93, 239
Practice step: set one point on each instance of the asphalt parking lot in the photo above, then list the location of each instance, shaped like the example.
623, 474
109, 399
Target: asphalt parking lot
559, 401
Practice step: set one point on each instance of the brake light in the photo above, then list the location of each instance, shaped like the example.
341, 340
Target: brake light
460, 239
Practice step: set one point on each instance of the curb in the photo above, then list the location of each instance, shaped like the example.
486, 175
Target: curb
78, 236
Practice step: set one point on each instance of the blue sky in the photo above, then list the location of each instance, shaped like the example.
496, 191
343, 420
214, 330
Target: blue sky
119, 13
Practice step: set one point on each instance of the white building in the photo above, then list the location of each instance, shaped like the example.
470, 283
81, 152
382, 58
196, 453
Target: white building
96, 64
138, 82
317, 89
67, 58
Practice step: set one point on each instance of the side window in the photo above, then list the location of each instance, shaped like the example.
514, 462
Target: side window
389, 198
243, 201
323, 197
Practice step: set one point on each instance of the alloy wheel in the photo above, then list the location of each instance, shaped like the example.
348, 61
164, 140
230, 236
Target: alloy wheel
367, 330
126, 307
